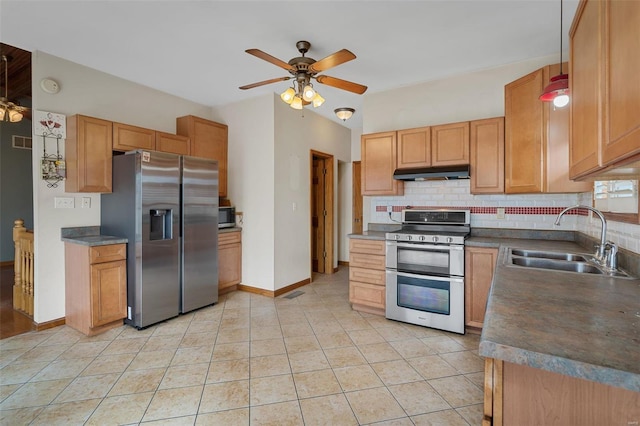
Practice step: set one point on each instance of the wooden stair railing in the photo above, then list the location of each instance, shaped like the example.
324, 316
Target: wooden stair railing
23, 268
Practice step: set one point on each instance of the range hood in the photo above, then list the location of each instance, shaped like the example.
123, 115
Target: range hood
432, 173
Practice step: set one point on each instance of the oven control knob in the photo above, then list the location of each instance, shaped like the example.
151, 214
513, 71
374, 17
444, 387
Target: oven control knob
422, 238
435, 239
397, 236
408, 237
449, 239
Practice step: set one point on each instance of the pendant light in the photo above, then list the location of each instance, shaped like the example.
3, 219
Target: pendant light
557, 91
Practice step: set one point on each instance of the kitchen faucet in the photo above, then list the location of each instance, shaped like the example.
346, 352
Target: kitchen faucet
600, 255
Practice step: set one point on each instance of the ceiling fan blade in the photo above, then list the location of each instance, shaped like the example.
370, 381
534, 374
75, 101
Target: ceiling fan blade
340, 57
262, 83
342, 84
265, 56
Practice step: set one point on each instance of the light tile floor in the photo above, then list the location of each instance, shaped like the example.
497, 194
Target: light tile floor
249, 359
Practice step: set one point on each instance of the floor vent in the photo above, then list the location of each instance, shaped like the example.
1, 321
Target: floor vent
293, 294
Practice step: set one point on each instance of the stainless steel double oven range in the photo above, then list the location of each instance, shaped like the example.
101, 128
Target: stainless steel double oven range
425, 269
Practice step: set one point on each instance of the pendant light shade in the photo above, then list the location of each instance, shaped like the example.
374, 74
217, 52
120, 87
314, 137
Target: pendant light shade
557, 91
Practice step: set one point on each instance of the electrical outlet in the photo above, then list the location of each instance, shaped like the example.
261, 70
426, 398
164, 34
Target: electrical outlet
500, 213
64, 203
389, 209
86, 202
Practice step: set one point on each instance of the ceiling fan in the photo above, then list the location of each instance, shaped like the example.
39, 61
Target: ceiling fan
302, 70
9, 111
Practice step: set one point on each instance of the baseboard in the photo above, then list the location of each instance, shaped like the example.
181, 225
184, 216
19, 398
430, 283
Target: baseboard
270, 293
343, 263
6, 264
49, 324
227, 289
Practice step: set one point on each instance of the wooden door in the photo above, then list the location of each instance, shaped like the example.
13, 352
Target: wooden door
584, 85
127, 138
621, 96
356, 225
108, 292
479, 266
378, 152
487, 156
317, 216
450, 144
524, 139
414, 148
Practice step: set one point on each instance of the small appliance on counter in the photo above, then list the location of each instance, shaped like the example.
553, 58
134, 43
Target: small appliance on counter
226, 217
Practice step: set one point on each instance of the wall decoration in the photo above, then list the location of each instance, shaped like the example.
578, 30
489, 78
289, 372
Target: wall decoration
50, 125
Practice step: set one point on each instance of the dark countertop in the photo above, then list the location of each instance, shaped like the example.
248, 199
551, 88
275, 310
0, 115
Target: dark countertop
580, 325
225, 230
369, 235
88, 236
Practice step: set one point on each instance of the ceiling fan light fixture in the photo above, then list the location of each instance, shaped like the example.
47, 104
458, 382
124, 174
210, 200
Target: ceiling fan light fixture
14, 116
296, 103
308, 93
317, 100
9, 111
344, 113
288, 95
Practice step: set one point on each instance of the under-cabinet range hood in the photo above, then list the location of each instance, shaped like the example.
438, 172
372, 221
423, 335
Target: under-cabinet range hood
432, 173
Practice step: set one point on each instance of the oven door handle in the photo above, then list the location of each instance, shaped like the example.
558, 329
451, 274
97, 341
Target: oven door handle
422, 246
429, 277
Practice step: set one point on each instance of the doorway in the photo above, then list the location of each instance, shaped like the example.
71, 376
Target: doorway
321, 202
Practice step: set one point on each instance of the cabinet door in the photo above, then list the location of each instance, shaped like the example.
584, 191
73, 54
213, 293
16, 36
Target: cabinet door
479, 266
450, 144
378, 153
367, 294
229, 265
487, 156
621, 95
584, 84
524, 159
127, 138
208, 139
175, 144
108, 292
414, 148
88, 154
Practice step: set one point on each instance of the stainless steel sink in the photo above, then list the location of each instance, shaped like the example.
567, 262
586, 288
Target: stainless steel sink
552, 255
571, 266
560, 261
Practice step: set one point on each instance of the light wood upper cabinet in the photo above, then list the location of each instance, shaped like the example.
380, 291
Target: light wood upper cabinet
176, 144
605, 90
378, 157
208, 139
486, 160
127, 138
88, 154
450, 144
536, 138
414, 148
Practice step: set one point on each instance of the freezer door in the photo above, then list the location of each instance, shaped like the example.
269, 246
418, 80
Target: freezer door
159, 281
199, 263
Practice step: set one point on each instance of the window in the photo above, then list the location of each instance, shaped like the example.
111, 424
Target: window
617, 197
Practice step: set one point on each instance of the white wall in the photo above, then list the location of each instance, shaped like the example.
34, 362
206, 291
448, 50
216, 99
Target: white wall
465, 97
88, 92
251, 166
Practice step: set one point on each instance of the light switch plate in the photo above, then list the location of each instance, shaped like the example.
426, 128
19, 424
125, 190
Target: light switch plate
64, 203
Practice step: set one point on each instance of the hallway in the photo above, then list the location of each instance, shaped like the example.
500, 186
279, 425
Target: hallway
12, 322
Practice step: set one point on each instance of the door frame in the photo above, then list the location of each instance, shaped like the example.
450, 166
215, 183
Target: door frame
329, 163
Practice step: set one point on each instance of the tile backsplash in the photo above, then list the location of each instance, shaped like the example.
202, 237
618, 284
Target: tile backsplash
521, 211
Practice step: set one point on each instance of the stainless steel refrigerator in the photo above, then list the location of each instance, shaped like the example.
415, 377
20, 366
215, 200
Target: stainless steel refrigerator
166, 205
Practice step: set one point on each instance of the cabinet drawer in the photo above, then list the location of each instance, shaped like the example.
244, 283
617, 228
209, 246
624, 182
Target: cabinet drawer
371, 261
108, 253
367, 294
357, 245
229, 238
367, 276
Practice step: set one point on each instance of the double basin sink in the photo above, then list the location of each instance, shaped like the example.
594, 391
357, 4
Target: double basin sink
560, 261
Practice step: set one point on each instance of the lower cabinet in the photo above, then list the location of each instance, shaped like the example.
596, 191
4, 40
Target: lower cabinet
95, 287
367, 277
478, 273
229, 261
521, 395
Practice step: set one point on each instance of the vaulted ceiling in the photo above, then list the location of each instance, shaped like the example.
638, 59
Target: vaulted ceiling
196, 49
